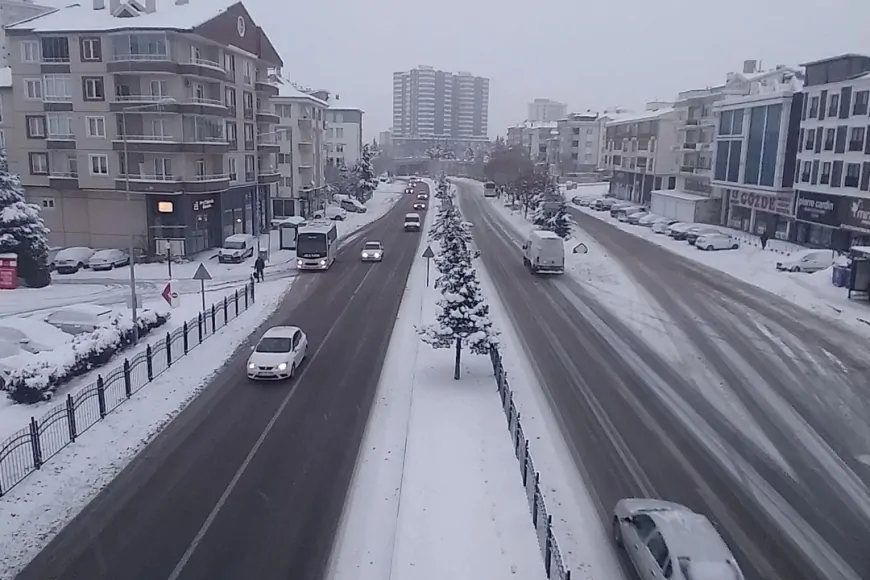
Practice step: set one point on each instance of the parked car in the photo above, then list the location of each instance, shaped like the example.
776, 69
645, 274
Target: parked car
622, 210
697, 231
679, 231
331, 212
373, 252
278, 354
9, 353
353, 205
717, 241
71, 260
236, 248
648, 220
663, 225
108, 259
31, 334
52, 253
633, 218
667, 540
604, 204
79, 318
807, 261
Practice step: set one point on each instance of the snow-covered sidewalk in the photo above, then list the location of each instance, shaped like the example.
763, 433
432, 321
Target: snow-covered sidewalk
437, 491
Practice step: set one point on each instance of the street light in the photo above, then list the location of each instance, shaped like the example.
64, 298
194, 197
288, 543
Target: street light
131, 238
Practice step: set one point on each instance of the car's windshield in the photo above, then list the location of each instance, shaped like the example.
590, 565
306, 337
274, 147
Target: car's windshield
311, 245
275, 344
372, 246
233, 245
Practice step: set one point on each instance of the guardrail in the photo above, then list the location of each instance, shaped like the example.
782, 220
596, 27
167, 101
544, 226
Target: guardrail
30, 448
554, 565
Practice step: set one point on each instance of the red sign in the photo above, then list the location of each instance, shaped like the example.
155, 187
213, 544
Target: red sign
8, 272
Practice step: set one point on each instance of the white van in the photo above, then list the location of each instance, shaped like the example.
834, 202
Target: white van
412, 222
807, 261
237, 248
544, 251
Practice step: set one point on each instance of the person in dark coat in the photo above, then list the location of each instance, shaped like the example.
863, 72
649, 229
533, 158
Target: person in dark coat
259, 266
764, 238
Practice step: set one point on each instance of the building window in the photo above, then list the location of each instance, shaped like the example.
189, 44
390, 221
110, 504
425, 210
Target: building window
825, 178
57, 88
230, 99
47, 203
59, 126
856, 139
811, 139
861, 101
99, 164
840, 139
231, 166
35, 127
232, 134
163, 167
829, 139
814, 107
92, 50
248, 102
853, 175
55, 49
230, 64
92, 89
834, 106
248, 77
33, 89
805, 174
39, 163
249, 168
837, 174
29, 51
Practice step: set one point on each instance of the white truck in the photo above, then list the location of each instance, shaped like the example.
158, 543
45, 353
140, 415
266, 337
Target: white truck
544, 252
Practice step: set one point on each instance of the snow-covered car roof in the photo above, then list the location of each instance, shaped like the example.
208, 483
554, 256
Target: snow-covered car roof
73, 251
34, 330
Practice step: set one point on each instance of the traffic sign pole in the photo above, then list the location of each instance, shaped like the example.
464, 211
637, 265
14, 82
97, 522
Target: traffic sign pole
202, 275
428, 254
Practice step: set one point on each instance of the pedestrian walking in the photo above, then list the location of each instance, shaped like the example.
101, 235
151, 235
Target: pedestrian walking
259, 266
764, 239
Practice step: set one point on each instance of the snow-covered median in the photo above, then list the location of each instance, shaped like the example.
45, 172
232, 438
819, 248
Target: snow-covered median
436, 493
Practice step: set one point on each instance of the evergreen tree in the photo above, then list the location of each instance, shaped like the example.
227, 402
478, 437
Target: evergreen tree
366, 180
22, 231
553, 215
462, 317
442, 189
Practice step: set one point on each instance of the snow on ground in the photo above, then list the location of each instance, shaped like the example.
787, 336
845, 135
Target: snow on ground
437, 491
36, 509
755, 266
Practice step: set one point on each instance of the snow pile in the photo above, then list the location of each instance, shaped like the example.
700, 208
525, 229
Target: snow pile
40, 375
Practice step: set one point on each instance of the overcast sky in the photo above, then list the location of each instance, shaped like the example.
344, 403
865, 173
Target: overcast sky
590, 54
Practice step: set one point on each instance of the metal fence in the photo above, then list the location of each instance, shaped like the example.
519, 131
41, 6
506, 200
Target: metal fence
29, 448
541, 519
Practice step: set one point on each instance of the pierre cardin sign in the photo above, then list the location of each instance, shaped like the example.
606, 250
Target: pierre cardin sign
817, 207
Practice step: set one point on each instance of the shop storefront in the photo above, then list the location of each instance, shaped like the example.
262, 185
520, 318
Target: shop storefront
855, 219
237, 211
184, 223
818, 219
759, 212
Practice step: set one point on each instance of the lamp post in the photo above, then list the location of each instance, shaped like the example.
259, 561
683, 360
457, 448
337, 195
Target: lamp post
131, 237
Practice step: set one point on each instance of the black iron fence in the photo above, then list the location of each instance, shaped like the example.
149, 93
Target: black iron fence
29, 448
541, 519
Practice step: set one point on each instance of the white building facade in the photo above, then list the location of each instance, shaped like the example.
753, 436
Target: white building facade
546, 110
581, 143
344, 136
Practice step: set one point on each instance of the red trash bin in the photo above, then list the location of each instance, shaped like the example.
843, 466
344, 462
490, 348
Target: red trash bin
8, 271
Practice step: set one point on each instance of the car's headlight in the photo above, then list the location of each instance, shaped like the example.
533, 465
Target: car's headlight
377, 255
282, 366
251, 365
365, 255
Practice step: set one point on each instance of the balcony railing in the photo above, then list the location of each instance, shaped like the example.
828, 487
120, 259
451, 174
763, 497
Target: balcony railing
57, 98
157, 138
206, 139
211, 177
138, 57
61, 137
692, 122
64, 174
207, 101
55, 59
267, 140
805, 177
207, 63
856, 145
149, 177
694, 169
140, 98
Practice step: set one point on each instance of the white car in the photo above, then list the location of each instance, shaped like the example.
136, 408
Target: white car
661, 226
667, 540
108, 259
373, 252
31, 334
808, 261
649, 219
679, 230
79, 318
71, 260
717, 241
633, 218
278, 354
331, 212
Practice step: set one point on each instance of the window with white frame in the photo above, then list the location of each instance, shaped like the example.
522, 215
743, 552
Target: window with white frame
231, 166
94, 89
199, 165
96, 127
159, 88
33, 89
158, 127
99, 164
35, 127
248, 77
59, 125
163, 167
232, 132
249, 132
39, 163
91, 49
249, 167
47, 203
29, 51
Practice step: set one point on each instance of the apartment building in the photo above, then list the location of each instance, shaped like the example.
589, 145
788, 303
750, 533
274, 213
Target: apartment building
581, 143
640, 152
12, 11
301, 139
755, 150
166, 102
540, 140
344, 136
545, 110
832, 179
433, 107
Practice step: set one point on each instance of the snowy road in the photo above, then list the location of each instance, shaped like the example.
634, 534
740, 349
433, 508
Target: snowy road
745, 408
249, 480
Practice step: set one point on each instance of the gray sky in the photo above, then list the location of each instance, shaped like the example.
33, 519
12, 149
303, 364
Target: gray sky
587, 53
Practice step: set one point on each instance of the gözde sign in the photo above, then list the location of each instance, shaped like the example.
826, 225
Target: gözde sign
760, 201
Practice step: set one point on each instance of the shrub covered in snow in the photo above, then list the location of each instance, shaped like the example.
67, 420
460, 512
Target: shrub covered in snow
22, 231
364, 172
40, 376
552, 214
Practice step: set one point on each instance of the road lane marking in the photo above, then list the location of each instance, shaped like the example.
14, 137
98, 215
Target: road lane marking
185, 558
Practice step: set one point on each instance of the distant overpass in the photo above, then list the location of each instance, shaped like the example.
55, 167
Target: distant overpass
429, 166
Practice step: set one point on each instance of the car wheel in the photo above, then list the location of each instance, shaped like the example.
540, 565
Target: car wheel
795, 269
734, 246
617, 532
292, 371
709, 248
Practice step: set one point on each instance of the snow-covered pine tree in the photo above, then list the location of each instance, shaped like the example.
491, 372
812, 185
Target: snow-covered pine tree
462, 317
447, 221
442, 189
552, 214
367, 181
22, 231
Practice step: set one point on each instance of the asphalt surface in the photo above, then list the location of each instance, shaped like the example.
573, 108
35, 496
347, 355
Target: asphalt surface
768, 445
195, 504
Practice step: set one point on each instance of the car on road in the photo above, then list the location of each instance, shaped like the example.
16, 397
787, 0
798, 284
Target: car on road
236, 248
718, 241
413, 223
667, 540
633, 218
694, 233
808, 261
544, 251
352, 205
409, 190
278, 354
71, 260
582, 201
661, 226
372, 252
108, 259
422, 196
420, 206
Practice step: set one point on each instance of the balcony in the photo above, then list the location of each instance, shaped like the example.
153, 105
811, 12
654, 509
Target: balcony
267, 144
701, 170
205, 106
266, 116
207, 183
696, 123
140, 104
171, 144
64, 179
269, 175
60, 141
686, 147
203, 68
140, 63
266, 88
149, 183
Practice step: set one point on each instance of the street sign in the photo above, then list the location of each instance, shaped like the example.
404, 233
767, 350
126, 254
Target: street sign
202, 275
428, 253
170, 295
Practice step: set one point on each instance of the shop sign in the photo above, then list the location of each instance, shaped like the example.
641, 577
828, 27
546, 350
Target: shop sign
819, 208
857, 214
761, 201
203, 204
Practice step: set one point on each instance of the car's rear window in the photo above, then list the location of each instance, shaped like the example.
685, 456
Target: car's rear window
372, 246
275, 344
412, 218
